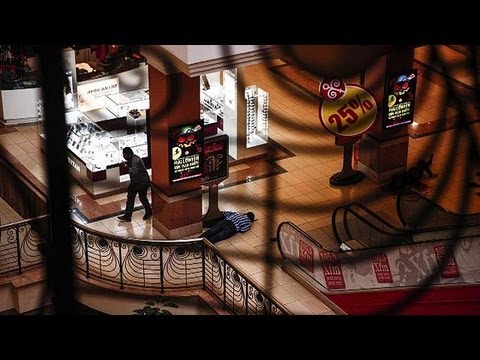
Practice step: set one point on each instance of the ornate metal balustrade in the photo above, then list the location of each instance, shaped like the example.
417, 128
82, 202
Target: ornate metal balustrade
234, 289
21, 244
133, 263
156, 264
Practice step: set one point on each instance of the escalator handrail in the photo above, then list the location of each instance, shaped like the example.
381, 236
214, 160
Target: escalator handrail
308, 237
334, 224
364, 220
435, 205
375, 215
401, 232
348, 208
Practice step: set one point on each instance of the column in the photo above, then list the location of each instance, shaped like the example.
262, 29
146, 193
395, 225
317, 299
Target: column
383, 153
174, 101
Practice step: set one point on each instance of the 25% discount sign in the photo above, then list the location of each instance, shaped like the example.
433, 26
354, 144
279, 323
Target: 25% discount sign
347, 111
350, 115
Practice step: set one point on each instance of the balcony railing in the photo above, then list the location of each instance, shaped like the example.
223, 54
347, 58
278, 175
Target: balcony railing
134, 263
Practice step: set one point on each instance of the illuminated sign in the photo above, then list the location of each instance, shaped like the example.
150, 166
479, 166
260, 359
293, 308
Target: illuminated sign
186, 151
399, 99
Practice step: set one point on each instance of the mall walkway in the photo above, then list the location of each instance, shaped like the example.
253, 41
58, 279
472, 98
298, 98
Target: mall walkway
302, 194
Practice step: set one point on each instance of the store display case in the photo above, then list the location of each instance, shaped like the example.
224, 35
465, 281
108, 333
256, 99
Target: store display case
97, 148
131, 104
95, 155
211, 101
110, 114
257, 104
210, 121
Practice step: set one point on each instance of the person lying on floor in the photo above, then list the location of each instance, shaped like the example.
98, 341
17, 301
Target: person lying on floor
231, 223
414, 175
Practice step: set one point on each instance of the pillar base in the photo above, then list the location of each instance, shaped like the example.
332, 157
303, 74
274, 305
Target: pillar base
382, 159
178, 233
179, 216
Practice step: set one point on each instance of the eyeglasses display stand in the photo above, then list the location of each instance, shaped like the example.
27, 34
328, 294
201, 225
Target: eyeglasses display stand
257, 107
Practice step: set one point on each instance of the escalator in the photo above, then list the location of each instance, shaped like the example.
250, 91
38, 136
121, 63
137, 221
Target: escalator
416, 212
425, 264
363, 228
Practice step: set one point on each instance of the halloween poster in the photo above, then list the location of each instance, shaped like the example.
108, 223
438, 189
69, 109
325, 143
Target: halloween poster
399, 99
186, 151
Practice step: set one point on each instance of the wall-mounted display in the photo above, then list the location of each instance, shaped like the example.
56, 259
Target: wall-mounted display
257, 102
399, 99
186, 151
215, 152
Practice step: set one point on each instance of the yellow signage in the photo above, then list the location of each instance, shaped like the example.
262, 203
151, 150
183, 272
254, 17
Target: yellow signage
351, 115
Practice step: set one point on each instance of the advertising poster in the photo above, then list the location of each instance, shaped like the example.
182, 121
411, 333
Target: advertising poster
381, 268
346, 110
399, 99
305, 256
446, 261
332, 270
185, 144
215, 154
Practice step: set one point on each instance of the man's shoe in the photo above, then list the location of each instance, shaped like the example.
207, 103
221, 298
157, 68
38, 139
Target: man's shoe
147, 216
124, 218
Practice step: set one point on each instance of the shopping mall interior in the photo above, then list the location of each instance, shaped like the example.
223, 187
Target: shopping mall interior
328, 145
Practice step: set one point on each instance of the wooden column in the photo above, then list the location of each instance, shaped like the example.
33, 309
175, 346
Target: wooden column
383, 153
174, 101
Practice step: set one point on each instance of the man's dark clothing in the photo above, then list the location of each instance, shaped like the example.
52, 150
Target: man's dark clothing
231, 223
139, 183
138, 174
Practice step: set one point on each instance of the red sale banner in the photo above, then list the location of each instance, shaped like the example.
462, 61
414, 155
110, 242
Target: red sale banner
381, 268
446, 261
305, 256
332, 270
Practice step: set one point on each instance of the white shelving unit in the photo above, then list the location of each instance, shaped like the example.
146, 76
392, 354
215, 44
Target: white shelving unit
257, 104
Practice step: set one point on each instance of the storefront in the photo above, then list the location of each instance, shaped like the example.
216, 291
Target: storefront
20, 88
107, 109
241, 112
107, 114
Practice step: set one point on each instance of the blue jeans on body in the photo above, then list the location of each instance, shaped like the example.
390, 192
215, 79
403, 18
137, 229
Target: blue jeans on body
220, 231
